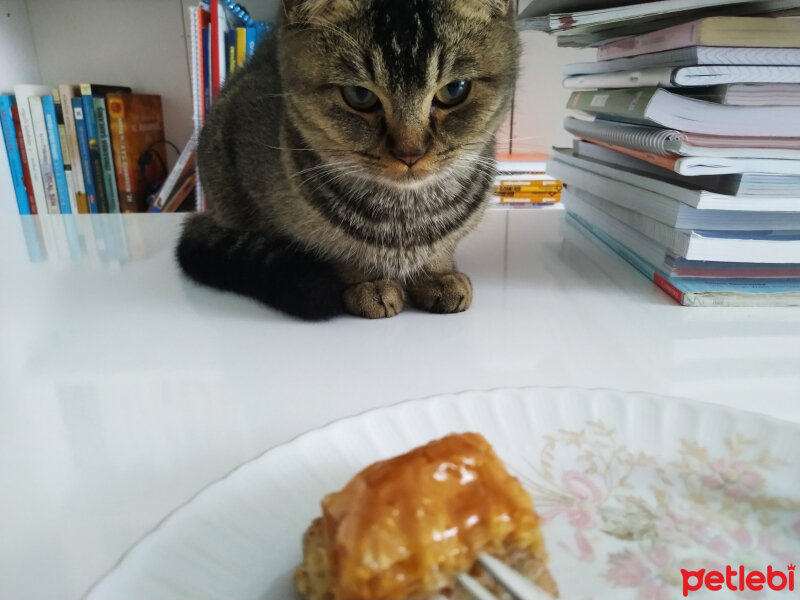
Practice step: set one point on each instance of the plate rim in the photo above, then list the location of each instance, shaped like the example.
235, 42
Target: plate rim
769, 419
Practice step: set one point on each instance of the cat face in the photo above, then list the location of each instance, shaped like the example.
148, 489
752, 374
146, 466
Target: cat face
401, 90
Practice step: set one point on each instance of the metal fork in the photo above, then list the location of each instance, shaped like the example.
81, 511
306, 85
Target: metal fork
520, 588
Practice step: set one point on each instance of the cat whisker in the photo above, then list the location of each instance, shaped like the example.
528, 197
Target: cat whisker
321, 167
334, 179
330, 175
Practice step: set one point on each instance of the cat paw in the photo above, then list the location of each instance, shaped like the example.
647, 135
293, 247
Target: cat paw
374, 299
443, 294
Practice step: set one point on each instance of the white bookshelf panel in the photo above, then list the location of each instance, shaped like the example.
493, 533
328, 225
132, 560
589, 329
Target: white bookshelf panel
139, 44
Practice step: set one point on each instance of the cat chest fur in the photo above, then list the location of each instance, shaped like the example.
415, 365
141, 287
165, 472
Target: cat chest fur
385, 231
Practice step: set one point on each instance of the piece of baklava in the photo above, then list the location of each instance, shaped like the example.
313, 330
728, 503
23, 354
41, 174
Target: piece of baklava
406, 527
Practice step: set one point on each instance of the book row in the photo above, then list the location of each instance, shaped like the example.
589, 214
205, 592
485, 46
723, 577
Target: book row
695, 185
223, 38
522, 181
83, 148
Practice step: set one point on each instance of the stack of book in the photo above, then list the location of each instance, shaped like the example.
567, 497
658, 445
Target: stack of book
522, 181
698, 186
223, 37
82, 148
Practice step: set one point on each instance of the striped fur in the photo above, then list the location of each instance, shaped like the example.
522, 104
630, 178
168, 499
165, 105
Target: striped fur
288, 165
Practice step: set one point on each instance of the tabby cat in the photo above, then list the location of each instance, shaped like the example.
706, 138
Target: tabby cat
346, 161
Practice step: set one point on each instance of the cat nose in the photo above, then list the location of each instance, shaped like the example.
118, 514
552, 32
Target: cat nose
409, 156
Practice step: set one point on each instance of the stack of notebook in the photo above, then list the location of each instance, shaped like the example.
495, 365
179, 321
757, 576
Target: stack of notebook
522, 181
698, 186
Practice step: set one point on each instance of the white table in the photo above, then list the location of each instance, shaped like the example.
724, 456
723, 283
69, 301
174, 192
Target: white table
125, 389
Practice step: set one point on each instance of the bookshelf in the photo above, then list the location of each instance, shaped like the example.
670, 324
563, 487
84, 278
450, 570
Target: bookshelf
144, 45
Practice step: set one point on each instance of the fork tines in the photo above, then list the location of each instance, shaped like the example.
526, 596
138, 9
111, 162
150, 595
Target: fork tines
515, 584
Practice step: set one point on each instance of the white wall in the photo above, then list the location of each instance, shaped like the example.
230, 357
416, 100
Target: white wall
139, 43
540, 103
18, 64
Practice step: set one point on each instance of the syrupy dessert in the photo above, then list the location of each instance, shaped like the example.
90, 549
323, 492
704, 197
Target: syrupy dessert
406, 527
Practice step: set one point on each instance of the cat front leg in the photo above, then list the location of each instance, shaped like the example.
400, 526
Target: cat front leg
441, 289
379, 299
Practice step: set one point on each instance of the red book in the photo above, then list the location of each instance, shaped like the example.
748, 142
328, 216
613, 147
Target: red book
26, 170
203, 21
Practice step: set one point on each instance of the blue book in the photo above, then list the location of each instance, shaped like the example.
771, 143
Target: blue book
109, 178
261, 30
7, 104
207, 69
692, 291
51, 122
94, 152
86, 158
250, 36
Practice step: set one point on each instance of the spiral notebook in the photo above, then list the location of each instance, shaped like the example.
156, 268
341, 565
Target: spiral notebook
668, 142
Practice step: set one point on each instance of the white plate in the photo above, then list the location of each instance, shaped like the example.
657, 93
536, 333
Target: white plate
632, 489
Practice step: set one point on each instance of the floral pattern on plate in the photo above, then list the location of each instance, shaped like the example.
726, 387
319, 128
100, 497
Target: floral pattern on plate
638, 519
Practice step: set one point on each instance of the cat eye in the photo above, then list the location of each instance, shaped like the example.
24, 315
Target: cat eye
453, 93
360, 98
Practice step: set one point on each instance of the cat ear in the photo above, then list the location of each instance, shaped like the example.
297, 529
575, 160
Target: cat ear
309, 10
484, 9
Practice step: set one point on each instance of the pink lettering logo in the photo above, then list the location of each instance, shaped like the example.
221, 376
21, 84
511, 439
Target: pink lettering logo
738, 580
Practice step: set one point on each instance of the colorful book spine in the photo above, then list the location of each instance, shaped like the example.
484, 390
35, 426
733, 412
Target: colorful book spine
42, 141
23, 93
7, 104
100, 164
184, 164
94, 152
528, 186
67, 93
214, 41
106, 153
529, 198
56, 155
26, 169
698, 291
250, 33
199, 17
207, 85
261, 30
219, 28
62, 95
241, 46
137, 136
184, 191
230, 51
85, 155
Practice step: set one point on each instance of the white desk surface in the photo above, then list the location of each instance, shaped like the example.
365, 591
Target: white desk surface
125, 389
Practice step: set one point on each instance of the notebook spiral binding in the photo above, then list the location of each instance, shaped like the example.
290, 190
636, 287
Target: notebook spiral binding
636, 137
